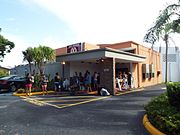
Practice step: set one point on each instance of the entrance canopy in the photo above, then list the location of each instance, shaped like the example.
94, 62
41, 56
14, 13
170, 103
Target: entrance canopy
97, 54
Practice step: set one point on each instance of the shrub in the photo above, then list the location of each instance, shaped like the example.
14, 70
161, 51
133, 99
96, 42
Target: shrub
3, 73
173, 93
163, 116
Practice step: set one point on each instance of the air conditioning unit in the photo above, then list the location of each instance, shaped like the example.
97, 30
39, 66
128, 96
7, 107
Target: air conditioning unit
151, 70
145, 70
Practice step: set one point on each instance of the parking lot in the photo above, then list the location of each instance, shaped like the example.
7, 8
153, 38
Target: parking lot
59, 101
77, 115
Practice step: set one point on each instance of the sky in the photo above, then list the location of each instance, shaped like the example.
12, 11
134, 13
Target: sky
58, 23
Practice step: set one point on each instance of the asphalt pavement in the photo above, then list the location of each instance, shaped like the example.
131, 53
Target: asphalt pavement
116, 115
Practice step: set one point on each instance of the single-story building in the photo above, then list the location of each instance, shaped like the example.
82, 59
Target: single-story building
109, 60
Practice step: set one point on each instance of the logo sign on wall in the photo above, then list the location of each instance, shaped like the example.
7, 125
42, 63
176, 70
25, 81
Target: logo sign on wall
74, 48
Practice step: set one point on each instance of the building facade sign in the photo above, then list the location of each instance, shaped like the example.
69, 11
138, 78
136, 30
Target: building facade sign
74, 48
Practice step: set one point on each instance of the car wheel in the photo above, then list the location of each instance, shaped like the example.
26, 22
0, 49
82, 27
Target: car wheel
13, 88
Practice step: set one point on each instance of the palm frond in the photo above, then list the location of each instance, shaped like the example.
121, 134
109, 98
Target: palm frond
154, 33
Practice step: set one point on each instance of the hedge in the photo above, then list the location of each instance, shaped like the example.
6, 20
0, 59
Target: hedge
173, 93
163, 116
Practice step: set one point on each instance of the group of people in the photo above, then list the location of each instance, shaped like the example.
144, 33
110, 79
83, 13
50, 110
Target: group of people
30, 81
78, 81
124, 80
87, 82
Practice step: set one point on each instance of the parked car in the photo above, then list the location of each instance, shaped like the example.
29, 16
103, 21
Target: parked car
12, 83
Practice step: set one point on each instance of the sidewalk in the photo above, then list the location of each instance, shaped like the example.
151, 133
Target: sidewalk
152, 87
67, 93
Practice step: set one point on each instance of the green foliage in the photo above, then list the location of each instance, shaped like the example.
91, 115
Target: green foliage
39, 56
173, 93
43, 54
166, 23
163, 116
170, 15
3, 73
5, 46
28, 56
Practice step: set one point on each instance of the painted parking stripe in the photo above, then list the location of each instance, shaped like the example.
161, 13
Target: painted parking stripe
87, 101
74, 100
67, 97
33, 101
61, 102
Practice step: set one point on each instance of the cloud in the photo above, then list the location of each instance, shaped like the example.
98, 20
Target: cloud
106, 21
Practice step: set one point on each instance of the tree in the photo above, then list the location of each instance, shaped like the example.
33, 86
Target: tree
28, 56
166, 23
5, 46
43, 54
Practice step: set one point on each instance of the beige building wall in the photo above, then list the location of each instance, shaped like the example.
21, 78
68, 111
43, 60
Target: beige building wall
152, 57
88, 46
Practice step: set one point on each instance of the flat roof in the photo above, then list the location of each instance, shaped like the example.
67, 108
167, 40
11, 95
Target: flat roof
101, 53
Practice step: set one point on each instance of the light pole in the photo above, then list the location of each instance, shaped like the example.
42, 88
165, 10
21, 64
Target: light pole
63, 63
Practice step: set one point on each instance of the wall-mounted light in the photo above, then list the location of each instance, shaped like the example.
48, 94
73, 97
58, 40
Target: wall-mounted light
63, 62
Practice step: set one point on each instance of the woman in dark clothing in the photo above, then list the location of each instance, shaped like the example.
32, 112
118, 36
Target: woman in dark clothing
57, 81
129, 79
44, 82
28, 84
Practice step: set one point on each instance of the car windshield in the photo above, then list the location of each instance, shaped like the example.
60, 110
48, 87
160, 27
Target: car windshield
18, 77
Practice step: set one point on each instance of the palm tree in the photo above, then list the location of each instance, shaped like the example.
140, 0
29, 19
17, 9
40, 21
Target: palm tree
43, 54
167, 22
28, 56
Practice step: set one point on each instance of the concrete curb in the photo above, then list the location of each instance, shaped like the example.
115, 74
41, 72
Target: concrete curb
151, 129
49, 92
129, 91
32, 93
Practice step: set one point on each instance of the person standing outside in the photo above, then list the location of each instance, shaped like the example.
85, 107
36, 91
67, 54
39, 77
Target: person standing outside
57, 80
28, 84
95, 81
89, 82
81, 81
129, 80
44, 82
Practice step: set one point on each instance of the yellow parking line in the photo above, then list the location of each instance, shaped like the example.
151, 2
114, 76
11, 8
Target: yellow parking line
127, 92
63, 100
87, 101
85, 97
60, 106
33, 101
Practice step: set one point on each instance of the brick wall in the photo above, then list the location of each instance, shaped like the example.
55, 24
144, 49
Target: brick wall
107, 75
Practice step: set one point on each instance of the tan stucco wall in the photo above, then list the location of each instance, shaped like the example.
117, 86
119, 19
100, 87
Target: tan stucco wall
61, 51
152, 57
88, 46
